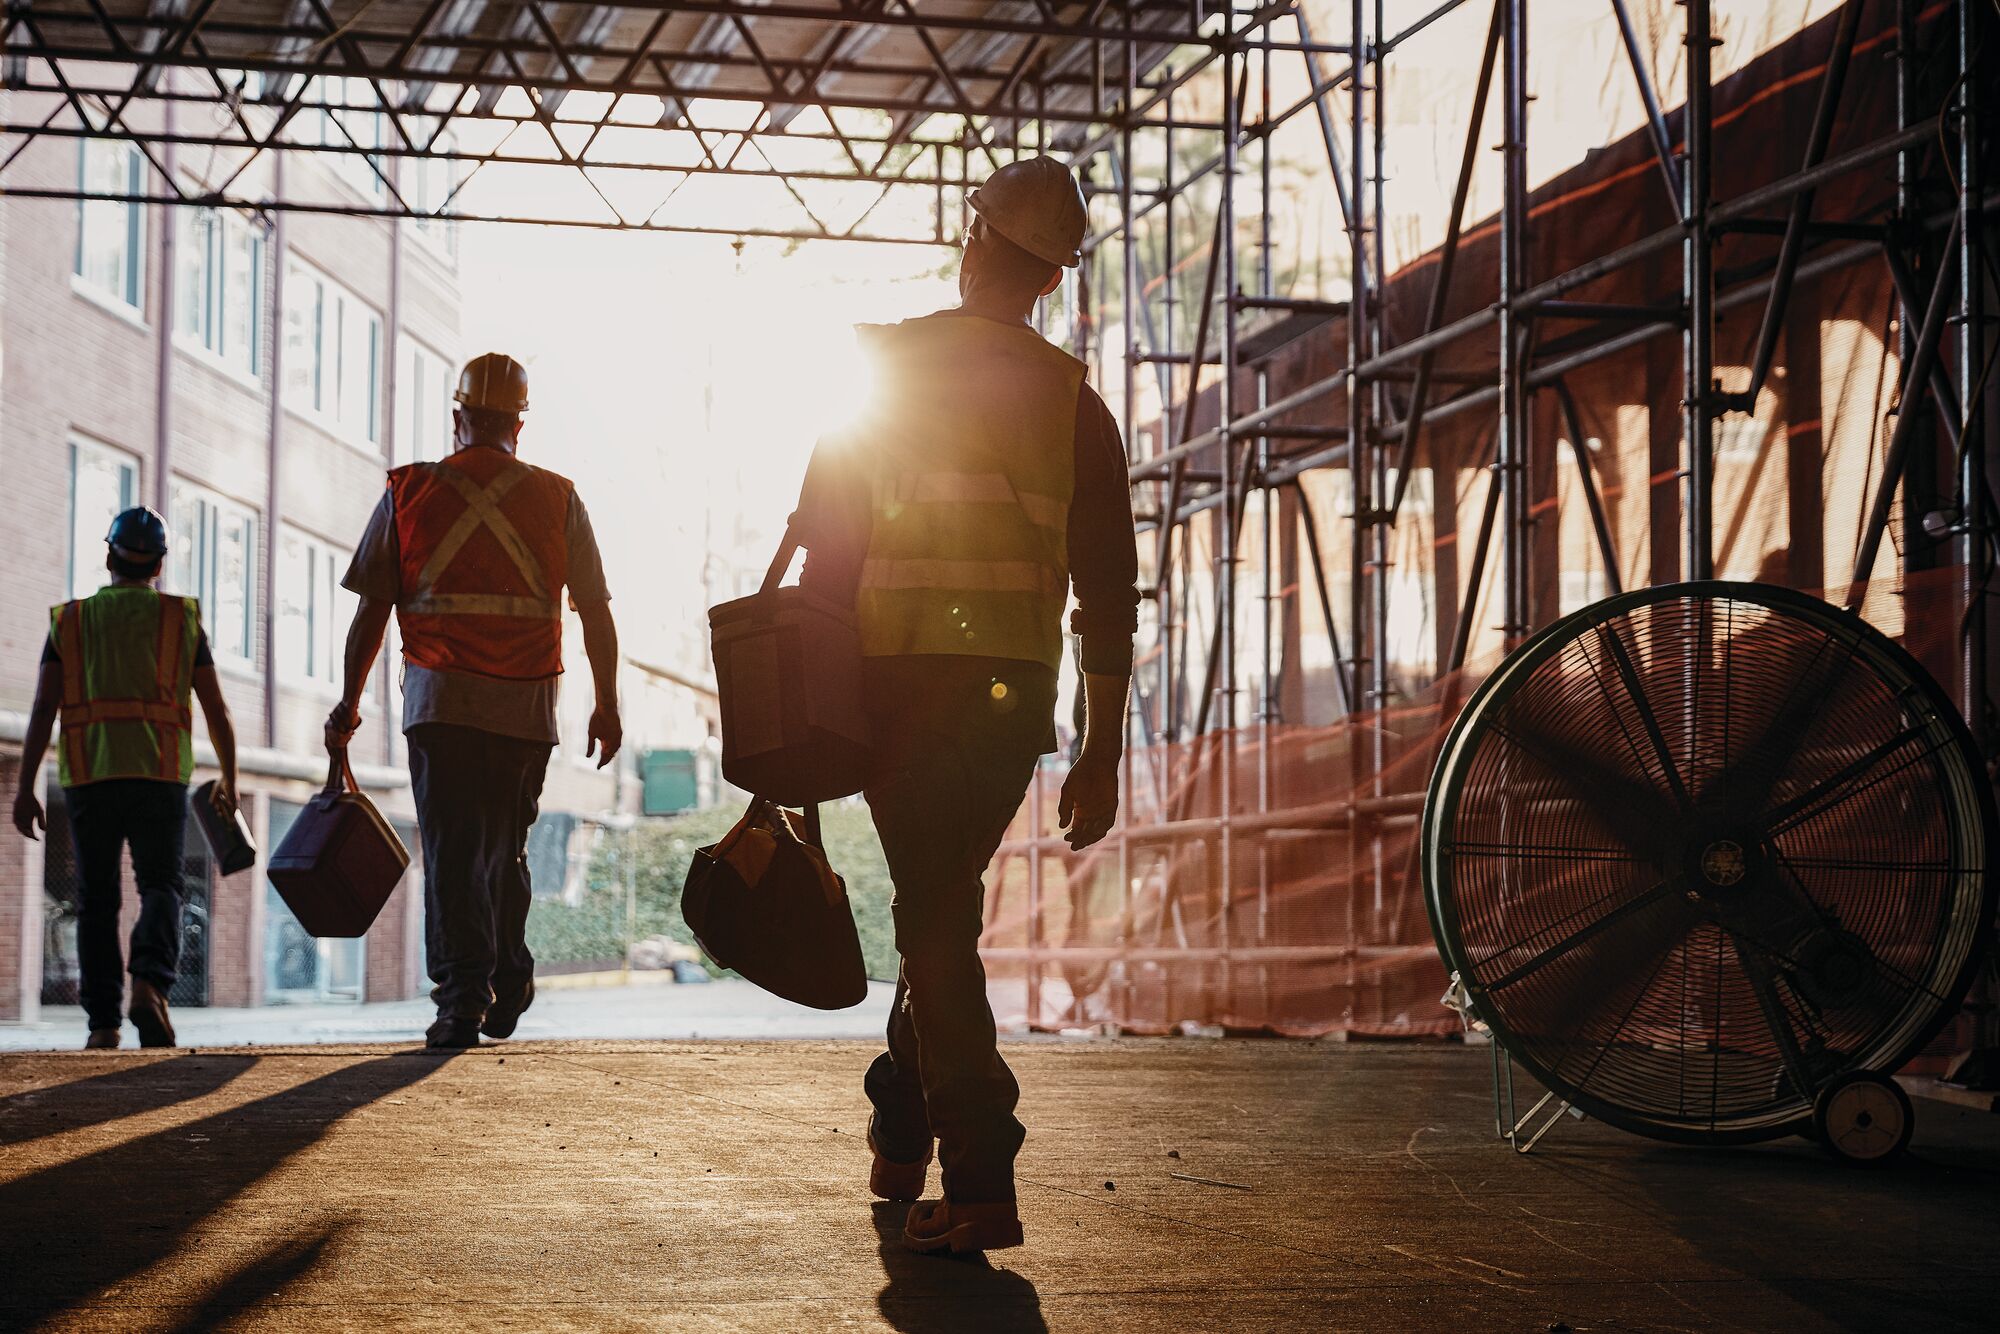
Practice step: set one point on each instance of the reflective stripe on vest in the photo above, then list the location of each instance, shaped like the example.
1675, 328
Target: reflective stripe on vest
128, 672
972, 453
483, 547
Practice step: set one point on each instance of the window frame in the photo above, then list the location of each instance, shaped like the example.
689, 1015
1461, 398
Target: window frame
321, 558
216, 230
410, 407
201, 540
320, 403
81, 446
131, 302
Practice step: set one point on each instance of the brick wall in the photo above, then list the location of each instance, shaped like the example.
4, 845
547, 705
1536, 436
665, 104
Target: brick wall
76, 366
20, 913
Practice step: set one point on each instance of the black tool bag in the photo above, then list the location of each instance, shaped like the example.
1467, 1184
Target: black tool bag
765, 902
788, 678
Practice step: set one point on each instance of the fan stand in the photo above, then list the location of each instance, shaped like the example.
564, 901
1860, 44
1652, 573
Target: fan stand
1509, 1122
1861, 1118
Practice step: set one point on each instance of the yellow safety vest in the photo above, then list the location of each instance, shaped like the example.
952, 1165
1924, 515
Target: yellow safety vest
127, 674
970, 447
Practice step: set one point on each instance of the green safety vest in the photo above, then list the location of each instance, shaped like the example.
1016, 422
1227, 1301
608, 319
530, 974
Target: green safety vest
970, 448
127, 674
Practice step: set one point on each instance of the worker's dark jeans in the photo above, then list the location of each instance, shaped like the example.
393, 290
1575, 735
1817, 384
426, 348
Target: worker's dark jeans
477, 793
952, 771
151, 817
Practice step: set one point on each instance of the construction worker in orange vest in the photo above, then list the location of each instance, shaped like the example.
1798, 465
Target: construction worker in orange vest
473, 553
957, 512
119, 667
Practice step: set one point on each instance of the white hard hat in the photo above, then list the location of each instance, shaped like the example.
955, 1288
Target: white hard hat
1037, 204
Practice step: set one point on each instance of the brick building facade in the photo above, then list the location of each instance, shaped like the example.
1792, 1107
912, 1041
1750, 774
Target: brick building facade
251, 377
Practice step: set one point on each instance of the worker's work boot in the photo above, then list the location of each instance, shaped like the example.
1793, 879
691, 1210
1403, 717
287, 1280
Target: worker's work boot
940, 1225
450, 1030
891, 1180
101, 1039
149, 1014
504, 1014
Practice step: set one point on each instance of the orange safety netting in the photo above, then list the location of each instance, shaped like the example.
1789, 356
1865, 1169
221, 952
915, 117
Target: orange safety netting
1303, 914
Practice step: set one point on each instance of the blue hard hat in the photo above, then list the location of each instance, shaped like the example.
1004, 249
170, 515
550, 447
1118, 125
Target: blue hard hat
138, 534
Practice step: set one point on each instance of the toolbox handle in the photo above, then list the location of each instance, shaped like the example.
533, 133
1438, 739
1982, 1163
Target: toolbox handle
780, 563
339, 774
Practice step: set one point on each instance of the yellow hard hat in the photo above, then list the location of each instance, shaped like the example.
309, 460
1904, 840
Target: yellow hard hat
494, 382
1037, 204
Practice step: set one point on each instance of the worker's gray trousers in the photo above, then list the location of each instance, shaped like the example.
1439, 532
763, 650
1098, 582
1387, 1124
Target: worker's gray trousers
951, 775
477, 793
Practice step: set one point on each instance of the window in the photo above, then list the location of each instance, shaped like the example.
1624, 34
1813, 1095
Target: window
111, 234
220, 288
103, 483
213, 557
313, 609
333, 356
423, 405
429, 183
346, 129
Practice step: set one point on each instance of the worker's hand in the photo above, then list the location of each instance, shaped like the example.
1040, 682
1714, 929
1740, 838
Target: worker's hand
341, 725
223, 798
28, 813
606, 734
1089, 803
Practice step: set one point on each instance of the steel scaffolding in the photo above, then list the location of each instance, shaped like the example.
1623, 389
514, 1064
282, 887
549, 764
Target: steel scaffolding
874, 95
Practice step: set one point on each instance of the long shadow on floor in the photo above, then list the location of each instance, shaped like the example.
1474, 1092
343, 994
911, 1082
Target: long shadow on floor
934, 1294
130, 1089
260, 1279
1901, 1246
70, 1230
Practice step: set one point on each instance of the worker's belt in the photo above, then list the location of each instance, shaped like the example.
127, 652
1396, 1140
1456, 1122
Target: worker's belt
980, 576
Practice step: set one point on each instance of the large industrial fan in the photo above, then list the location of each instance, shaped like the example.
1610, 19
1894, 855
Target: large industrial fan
1710, 860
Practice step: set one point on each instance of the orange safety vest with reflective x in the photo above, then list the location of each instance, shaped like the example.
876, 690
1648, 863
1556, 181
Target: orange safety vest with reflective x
482, 540
127, 675
971, 453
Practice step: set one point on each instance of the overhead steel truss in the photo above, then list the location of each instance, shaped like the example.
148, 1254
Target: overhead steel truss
863, 93
920, 97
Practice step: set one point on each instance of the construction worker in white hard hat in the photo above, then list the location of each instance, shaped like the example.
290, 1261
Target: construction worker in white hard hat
120, 667
984, 482
473, 554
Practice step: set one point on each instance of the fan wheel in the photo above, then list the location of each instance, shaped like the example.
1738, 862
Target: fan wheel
1703, 851
1863, 1118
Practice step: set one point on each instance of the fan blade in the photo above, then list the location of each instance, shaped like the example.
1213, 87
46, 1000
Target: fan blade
1635, 691
1747, 785
1670, 885
1637, 817
1813, 801
1775, 1017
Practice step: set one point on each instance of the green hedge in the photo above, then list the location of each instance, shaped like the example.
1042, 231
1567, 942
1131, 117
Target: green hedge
661, 851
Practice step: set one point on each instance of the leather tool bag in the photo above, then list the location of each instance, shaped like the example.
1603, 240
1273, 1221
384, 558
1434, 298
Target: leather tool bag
765, 902
788, 677
340, 861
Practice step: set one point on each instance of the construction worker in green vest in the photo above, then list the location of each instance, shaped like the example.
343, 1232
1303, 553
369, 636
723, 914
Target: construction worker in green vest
119, 668
983, 483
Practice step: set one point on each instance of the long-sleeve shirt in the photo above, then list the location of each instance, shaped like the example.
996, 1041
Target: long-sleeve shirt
832, 522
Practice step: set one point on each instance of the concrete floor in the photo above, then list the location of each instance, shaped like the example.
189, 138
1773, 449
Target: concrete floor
590, 1006
720, 1186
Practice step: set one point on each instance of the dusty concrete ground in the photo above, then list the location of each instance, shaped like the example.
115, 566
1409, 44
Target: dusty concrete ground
647, 1008
720, 1186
